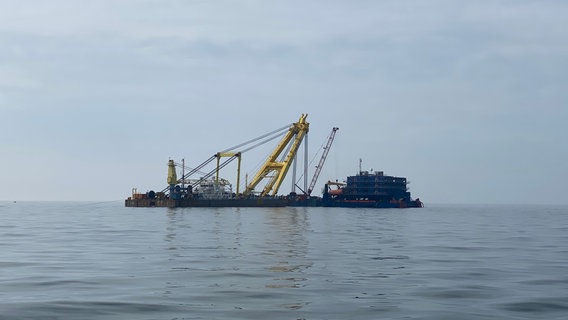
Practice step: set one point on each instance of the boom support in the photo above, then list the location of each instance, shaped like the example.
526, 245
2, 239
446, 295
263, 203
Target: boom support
322, 160
274, 169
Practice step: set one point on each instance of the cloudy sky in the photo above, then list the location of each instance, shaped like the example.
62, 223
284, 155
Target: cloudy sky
467, 99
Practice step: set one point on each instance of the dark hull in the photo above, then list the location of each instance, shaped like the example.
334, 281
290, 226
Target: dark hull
334, 203
370, 204
205, 203
267, 202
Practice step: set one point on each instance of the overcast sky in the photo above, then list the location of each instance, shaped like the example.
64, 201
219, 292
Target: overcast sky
467, 99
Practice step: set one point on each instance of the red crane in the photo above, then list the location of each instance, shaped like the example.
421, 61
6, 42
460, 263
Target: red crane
322, 160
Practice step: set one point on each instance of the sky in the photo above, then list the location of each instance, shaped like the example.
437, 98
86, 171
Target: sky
467, 99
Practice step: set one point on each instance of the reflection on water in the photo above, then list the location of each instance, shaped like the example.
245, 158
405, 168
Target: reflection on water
237, 251
287, 247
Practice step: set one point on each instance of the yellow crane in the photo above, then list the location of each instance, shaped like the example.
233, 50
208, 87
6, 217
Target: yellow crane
274, 169
278, 163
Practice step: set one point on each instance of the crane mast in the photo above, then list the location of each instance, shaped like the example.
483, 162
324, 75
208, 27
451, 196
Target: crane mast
322, 159
275, 170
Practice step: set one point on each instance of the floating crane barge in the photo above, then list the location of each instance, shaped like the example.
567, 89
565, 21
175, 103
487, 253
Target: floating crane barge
365, 190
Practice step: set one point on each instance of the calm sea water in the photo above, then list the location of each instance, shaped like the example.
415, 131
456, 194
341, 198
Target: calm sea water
103, 261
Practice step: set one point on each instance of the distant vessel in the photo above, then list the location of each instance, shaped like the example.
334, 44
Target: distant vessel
210, 190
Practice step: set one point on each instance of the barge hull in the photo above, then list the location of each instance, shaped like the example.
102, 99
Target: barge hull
371, 204
206, 203
265, 202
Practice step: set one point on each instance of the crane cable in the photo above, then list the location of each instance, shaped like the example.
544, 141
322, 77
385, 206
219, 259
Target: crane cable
189, 168
277, 133
255, 139
311, 161
196, 169
222, 165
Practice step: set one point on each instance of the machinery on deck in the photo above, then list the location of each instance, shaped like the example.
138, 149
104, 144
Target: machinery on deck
211, 190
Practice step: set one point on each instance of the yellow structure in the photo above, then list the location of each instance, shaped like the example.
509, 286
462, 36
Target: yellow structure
172, 176
274, 169
220, 155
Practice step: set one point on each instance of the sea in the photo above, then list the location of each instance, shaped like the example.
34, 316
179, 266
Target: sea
101, 260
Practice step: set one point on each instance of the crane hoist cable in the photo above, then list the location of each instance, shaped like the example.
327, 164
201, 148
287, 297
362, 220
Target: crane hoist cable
196, 169
255, 139
189, 168
263, 142
210, 174
293, 134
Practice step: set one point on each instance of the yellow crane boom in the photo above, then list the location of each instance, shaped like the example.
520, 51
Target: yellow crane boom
274, 169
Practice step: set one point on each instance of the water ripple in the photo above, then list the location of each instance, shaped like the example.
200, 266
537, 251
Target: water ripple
77, 261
